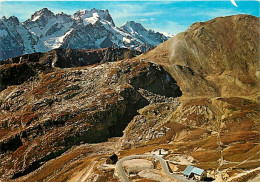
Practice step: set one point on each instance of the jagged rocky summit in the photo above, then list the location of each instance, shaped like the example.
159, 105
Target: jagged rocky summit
85, 29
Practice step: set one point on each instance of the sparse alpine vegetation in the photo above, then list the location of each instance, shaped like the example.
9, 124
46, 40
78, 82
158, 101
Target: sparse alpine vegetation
196, 96
53, 109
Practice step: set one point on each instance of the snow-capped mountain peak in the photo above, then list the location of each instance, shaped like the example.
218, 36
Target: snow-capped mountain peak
43, 13
133, 26
85, 29
92, 16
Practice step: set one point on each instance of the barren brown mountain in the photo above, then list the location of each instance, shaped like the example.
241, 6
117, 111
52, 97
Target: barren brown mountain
215, 58
203, 110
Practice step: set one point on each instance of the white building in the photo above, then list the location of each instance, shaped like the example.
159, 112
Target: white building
194, 172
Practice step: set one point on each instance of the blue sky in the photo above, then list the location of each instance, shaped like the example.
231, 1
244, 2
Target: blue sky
164, 16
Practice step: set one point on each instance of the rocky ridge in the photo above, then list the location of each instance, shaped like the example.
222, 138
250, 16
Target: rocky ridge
19, 69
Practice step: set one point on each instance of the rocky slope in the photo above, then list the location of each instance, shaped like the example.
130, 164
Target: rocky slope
83, 30
54, 109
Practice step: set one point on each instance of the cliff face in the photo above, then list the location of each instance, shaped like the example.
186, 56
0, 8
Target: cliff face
215, 58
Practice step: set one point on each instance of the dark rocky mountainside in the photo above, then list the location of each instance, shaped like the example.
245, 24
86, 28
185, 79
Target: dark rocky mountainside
53, 106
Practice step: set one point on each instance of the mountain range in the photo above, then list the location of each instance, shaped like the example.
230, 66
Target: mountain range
84, 29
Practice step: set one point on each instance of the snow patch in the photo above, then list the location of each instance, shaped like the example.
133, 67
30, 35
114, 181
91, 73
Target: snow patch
61, 38
36, 18
166, 34
56, 42
92, 19
126, 40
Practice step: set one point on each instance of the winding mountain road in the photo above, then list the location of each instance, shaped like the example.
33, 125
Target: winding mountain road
162, 161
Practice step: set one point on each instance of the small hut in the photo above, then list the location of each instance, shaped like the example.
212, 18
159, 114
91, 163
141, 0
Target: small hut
112, 159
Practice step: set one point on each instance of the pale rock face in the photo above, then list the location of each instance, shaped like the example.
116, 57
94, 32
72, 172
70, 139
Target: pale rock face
85, 29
